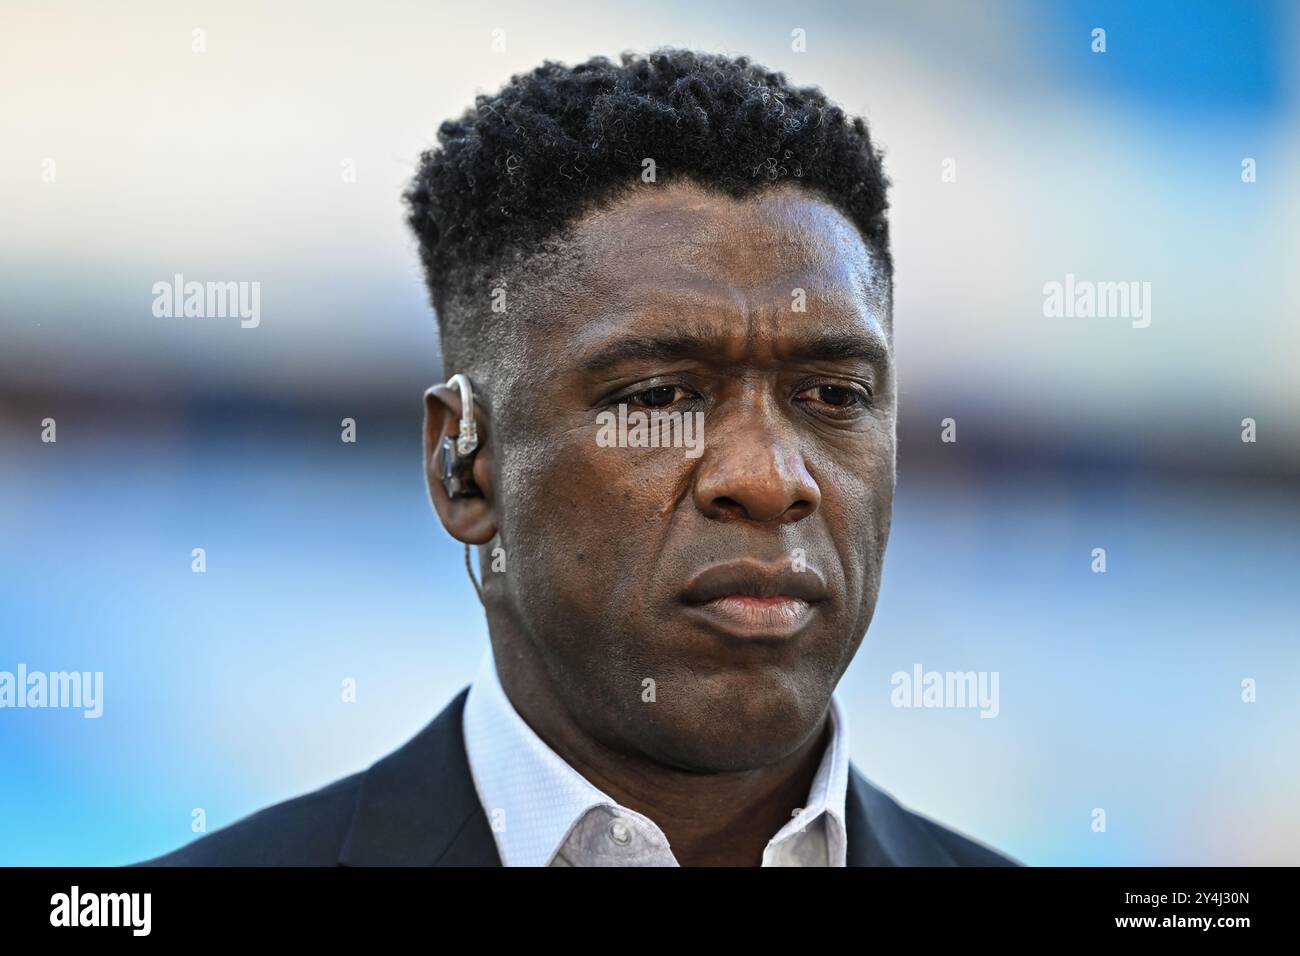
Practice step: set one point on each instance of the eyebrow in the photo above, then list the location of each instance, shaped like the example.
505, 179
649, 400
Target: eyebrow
677, 345
844, 347
669, 347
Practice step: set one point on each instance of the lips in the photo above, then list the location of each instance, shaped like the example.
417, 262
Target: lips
751, 599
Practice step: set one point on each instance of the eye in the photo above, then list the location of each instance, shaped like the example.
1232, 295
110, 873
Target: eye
842, 398
661, 396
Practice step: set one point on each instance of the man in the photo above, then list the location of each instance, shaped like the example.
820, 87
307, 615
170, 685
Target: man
685, 235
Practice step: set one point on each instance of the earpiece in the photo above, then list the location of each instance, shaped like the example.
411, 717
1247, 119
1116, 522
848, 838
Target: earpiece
457, 464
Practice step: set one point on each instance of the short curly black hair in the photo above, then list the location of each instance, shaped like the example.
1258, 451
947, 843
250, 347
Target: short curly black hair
524, 163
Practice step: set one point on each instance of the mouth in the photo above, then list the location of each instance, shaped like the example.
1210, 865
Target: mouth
753, 600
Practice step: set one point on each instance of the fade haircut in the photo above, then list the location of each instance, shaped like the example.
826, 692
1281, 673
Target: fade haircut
509, 177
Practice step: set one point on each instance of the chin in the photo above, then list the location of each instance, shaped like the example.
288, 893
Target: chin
746, 730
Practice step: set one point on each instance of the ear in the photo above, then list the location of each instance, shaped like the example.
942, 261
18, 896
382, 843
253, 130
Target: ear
470, 520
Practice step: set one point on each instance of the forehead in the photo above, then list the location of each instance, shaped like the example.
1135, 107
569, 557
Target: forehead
680, 231
780, 261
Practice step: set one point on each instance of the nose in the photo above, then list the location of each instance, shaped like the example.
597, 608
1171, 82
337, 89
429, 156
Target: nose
753, 469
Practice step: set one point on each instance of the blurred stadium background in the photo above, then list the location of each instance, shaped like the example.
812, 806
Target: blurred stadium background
1119, 691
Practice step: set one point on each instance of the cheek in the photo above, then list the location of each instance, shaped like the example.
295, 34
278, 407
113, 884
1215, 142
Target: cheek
857, 503
586, 521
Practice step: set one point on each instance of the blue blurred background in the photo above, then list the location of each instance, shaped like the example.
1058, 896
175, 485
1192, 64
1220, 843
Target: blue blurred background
1119, 691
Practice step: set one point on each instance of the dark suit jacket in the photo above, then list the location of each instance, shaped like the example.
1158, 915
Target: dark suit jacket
418, 807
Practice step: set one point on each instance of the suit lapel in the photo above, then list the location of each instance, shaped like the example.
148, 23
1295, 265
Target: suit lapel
881, 833
418, 806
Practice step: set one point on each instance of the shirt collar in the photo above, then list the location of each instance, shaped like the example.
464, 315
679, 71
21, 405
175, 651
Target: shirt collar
533, 798
827, 794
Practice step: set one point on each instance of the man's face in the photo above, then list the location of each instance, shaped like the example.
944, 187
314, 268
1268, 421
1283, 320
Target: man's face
739, 577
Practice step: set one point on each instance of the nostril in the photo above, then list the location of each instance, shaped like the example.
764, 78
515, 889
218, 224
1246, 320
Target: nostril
799, 510
725, 508
730, 507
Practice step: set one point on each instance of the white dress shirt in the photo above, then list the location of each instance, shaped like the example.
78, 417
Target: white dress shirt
542, 812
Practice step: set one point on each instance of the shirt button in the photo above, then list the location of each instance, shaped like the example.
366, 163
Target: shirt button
620, 833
